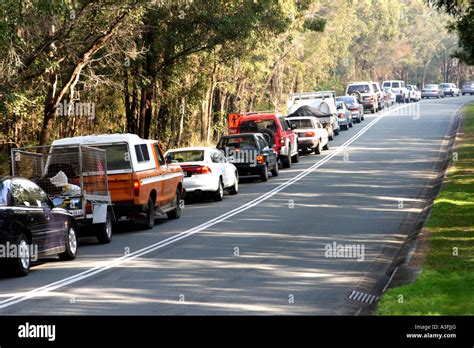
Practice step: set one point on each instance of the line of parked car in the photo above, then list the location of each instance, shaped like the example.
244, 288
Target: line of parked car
96, 180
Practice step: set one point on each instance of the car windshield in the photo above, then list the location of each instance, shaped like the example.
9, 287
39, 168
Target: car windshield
302, 124
237, 142
395, 84
347, 99
358, 88
187, 156
444, 85
252, 126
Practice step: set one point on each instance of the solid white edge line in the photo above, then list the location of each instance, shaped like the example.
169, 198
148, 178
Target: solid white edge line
41, 291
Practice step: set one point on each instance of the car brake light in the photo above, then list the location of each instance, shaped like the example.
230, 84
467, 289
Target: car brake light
136, 187
310, 134
340, 115
260, 159
197, 170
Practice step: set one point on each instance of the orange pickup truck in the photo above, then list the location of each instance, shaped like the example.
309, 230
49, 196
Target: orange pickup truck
140, 182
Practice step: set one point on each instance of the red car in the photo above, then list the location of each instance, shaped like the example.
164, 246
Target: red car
284, 138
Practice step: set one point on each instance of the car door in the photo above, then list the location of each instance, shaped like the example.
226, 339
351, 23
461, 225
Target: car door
217, 165
31, 213
166, 192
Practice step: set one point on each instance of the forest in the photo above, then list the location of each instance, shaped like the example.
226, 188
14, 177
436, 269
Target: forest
174, 70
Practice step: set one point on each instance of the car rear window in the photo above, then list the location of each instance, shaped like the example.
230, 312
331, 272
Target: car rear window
252, 126
187, 156
346, 99
395, 84
302, 124
358, 88
118, 157
238, 142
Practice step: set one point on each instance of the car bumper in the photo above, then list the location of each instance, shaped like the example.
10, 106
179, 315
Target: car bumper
246, 169
204, 182
430, 95
305, 143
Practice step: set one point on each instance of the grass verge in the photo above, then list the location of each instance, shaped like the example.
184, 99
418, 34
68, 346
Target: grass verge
446, 283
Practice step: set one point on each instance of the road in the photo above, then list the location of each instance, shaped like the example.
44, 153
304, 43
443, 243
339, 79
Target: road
264, 250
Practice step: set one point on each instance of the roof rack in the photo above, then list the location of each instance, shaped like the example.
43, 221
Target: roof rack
313, 95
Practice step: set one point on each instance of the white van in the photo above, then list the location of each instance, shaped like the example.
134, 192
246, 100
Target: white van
400, 89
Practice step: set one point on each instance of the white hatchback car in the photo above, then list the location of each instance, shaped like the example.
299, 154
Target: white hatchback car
312, 136
206, 170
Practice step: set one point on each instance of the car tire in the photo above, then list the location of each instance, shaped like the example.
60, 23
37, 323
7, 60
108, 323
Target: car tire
286, 161
317, 149
176, 212
275, 170
104, 231
373, 110
219, 194
268, 135
71, 244
264, 174
351, 124
326, 147
21, 266
295, 158
336, 132
234, 189
150, 215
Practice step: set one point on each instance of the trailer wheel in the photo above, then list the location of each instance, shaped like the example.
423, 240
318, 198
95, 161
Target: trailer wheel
104, 231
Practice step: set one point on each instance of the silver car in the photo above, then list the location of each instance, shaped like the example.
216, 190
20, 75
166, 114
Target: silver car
344, 116
432, 91
353, 106
468, 88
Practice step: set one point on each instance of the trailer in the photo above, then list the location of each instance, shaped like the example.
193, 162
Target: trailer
75, 179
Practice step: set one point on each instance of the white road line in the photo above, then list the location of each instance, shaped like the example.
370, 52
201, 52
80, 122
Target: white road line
42, 291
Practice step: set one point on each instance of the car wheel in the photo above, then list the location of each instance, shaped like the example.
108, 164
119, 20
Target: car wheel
104, 231
71, 244
176, 212
295, 158
336, 132
317, 149
275, 170
264, 174
326, 147
219, 194
21, 264
234, 189
150, 215
351, 124
286, 161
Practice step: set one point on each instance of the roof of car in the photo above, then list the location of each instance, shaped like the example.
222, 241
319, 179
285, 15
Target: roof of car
192, 148
103, 139
360, 83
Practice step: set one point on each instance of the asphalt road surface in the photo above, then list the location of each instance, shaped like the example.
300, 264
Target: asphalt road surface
264, 251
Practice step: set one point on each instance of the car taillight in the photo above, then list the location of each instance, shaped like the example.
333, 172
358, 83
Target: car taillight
136, 187
353, 108
88, 208
310, 134
340, 115
197, 170
282, 141
260, 159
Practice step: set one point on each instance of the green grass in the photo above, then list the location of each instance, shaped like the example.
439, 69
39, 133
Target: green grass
446, 284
